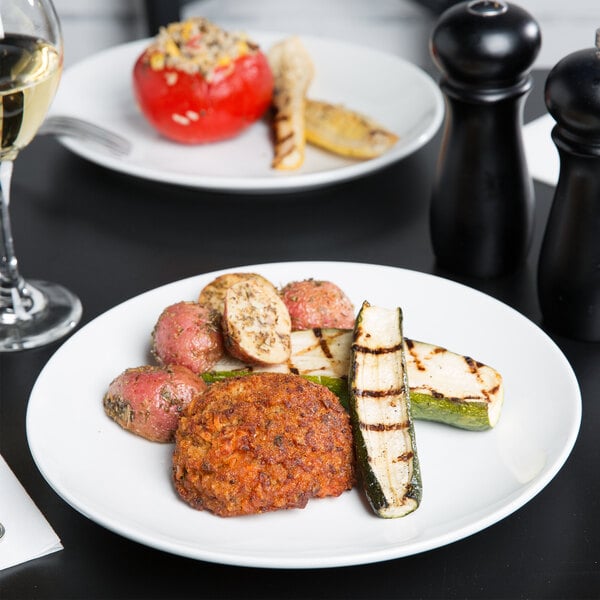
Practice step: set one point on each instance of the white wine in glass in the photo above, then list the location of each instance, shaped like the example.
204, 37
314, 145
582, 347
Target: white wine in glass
32, 312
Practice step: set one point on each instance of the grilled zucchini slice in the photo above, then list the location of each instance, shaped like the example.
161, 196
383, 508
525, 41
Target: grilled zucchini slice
380, 411
452, 388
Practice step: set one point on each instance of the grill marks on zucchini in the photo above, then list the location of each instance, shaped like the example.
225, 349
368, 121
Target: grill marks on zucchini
385, 427
323, 343
381, 414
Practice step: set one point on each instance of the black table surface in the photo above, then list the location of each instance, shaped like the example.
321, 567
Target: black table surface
109, 237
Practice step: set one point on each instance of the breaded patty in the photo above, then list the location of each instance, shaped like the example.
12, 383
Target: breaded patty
262, 442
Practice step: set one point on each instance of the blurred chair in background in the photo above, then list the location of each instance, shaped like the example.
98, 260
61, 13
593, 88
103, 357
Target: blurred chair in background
401, 27
160, 12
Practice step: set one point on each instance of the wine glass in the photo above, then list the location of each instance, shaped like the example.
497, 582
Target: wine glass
32, 313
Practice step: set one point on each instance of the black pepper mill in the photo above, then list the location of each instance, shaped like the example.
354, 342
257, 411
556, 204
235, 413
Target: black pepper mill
569, 264
482, 204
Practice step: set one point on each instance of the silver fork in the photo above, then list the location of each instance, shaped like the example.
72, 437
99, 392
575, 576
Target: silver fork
62, 125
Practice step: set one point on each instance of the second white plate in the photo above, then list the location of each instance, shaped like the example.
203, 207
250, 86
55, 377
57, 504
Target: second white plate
470, 479
392, 91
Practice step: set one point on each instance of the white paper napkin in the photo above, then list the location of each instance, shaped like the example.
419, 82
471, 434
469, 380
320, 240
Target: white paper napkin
541, 153
28, 535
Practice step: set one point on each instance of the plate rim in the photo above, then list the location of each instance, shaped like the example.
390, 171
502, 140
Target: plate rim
276, 184
521, 497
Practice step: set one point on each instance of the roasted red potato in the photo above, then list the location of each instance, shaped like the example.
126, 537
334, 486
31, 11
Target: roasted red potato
213, 293
188, 334
256, 323
312, 303
148, 400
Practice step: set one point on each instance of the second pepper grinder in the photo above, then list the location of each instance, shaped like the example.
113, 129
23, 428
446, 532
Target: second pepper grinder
481, 215
569, 264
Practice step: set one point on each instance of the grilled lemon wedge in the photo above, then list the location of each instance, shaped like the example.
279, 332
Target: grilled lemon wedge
344, 131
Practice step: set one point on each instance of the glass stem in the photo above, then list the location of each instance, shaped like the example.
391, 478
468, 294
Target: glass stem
14, 298
9, 272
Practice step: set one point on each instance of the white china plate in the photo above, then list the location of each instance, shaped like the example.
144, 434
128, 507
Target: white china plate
470, 480
393, 91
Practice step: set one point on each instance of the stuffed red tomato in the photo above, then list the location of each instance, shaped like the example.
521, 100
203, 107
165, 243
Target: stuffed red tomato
197, 83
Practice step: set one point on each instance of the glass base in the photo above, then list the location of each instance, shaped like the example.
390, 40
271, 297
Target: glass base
38, 313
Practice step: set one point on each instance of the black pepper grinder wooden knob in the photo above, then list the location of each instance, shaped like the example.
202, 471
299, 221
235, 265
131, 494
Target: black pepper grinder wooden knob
569, 263
481, 215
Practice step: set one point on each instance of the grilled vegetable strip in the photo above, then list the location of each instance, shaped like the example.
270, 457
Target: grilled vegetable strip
321, 356
452, 388
444, 386
345, 132
292, 71
380, 411
314, 352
